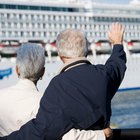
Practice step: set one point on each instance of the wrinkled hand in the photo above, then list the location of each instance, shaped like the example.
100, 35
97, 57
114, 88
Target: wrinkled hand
116, 33
108, 133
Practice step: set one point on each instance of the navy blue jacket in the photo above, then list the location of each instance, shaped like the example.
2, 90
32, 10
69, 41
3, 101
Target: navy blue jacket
76, 98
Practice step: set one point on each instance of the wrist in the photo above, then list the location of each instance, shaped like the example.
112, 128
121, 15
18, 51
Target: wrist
117, 43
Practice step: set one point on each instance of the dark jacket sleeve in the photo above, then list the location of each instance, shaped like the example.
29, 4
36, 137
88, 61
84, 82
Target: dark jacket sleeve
115, 68
50, 116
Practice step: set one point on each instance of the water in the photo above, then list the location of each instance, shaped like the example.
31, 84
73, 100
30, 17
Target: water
125, 105
126, 109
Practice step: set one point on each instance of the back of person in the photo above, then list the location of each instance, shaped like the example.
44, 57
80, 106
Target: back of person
92, 87
82, 92
19, 103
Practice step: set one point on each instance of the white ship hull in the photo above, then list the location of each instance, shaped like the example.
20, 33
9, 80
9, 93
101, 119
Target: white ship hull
130, 81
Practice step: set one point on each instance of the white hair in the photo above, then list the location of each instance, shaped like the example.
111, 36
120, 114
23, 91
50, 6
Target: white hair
71, 43
30, 61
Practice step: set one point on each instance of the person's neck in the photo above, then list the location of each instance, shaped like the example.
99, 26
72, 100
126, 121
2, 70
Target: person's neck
70, 60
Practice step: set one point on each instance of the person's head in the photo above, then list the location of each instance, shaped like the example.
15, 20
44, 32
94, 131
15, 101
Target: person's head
30, 62
71, 43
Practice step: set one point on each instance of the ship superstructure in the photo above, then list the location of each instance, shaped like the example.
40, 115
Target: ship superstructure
30, 20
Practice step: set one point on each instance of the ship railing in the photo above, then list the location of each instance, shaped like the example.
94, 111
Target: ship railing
126, 134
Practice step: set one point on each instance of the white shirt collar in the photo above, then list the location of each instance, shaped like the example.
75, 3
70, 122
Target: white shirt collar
26, 83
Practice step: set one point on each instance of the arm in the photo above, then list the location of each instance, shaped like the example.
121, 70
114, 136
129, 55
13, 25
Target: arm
76, 134
116, 64
50, 117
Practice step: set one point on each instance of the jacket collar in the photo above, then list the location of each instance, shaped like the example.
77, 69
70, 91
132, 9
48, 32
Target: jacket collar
74, 63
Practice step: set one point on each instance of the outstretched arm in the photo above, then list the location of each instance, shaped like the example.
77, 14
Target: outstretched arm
116, 64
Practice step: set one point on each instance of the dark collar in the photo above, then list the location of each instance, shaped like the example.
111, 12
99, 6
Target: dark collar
78, 62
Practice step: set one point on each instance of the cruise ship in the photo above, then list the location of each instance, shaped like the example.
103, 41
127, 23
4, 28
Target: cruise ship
40, 21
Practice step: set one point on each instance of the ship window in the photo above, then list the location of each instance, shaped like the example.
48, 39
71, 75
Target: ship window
3, 33
20, 16
44, 34
8, 15
1, 6
34, 7
70, 9
96, 18
7, 6
33, 34
2, 24
21, 34
14, 16
44, 25
44, 8
9, 25
22, 7
15, 24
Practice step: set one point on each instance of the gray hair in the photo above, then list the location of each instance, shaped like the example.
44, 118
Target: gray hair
71, 43
30, 61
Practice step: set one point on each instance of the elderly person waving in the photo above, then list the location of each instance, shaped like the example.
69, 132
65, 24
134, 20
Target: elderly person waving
80, 96
20, 103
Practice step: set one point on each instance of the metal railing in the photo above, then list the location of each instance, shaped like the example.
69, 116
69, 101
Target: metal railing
126, 134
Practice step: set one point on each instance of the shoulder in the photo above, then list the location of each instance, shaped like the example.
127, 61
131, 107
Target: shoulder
5, 91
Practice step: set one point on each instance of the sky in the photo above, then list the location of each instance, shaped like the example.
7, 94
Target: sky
113, 1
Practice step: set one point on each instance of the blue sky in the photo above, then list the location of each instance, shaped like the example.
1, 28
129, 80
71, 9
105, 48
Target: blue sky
113, 1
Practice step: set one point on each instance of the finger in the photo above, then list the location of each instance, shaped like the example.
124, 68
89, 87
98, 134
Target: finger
122, 29
109, 35
113, 26
118, 26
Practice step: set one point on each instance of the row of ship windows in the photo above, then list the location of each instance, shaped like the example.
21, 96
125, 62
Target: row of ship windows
67, 9
41, 17
8, 16
50, 26
54, 34
39, 8
115, 11
62, 26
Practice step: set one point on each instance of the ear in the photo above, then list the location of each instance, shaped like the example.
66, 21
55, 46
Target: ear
62, 58
17, 71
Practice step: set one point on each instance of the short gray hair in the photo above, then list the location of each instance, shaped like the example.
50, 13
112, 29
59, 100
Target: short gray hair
71, 43
30, 61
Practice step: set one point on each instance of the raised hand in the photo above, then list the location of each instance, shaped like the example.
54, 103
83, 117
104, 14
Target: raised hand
116, 33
